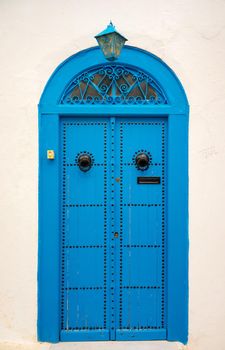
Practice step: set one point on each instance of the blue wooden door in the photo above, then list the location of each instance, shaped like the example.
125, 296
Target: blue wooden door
113, 220
141, 225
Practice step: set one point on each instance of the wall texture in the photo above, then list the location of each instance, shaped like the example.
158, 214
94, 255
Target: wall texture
36, 35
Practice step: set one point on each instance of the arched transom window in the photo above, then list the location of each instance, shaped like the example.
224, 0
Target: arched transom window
113, 84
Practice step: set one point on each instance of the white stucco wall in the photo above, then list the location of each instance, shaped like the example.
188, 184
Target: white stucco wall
36, 36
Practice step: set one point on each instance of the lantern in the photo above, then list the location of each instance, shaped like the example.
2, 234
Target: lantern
110, 42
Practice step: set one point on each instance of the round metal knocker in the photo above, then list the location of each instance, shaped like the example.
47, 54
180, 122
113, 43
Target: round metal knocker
142, 161
84, 162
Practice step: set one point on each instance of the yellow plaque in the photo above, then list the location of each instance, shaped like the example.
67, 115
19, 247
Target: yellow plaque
50, 154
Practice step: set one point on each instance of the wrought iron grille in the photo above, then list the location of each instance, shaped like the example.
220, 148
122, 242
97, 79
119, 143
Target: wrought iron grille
114, 84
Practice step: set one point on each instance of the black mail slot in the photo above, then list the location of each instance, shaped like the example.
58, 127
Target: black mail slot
148, 180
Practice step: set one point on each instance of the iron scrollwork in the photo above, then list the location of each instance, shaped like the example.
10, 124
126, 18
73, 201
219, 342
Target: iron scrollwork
114, 84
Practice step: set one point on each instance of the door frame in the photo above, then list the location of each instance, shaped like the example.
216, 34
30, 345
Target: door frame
49, 206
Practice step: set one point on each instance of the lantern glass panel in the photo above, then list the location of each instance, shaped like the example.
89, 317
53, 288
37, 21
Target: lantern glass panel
106, 44
118, 44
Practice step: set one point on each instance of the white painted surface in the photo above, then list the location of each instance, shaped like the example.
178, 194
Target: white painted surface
36, 36
146, 345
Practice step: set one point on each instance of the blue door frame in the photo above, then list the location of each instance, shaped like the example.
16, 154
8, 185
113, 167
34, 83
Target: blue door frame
51, 112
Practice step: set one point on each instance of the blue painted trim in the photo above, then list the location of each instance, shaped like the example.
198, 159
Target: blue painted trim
152, 334
49, 235
113, 110
84, 335
49, 179
177, 241
83, 60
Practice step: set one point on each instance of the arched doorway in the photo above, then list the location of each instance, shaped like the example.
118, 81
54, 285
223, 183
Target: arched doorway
113, 241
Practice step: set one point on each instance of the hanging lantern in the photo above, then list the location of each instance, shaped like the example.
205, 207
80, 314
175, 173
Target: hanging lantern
110, 42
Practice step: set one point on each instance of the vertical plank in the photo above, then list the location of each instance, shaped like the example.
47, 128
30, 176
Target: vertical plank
48, 252
178, 228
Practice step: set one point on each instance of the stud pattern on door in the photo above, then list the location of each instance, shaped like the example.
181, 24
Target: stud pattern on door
113, 245
142, 245
84, 230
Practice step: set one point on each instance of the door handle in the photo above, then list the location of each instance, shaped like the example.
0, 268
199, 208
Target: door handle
142, 161
84, 162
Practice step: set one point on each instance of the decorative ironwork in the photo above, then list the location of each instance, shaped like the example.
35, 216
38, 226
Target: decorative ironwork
114, 84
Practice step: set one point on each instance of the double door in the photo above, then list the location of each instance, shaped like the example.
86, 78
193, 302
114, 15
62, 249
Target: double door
113, 229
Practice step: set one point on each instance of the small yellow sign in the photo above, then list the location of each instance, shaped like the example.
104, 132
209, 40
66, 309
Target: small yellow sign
50, 154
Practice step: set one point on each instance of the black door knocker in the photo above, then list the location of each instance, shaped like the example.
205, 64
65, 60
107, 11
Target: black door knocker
84, 162
142, 161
